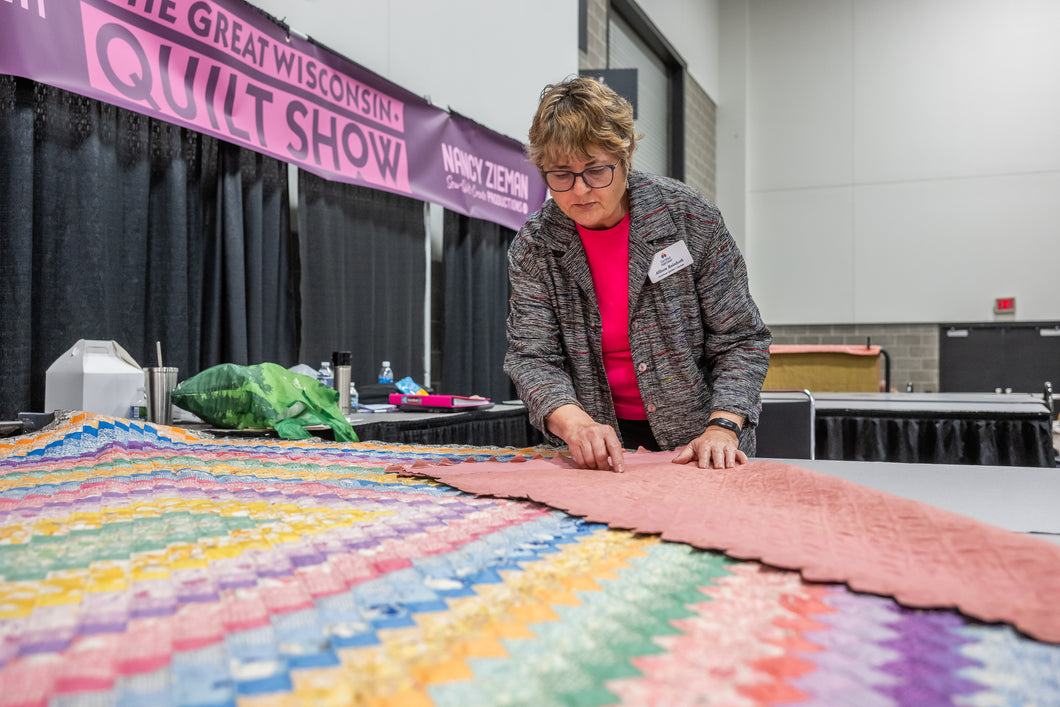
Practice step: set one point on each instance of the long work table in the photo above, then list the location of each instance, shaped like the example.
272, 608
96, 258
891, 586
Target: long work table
158, 565
1010, 429
936, 428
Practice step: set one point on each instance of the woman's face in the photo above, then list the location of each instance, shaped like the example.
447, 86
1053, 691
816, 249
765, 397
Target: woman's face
592, 208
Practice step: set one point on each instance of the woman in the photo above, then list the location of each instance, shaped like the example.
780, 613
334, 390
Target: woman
630, 323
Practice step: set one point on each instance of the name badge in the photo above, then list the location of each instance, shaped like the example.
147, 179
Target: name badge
669, 260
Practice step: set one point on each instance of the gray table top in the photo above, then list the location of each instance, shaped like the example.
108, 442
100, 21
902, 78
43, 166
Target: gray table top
994, 403
1022, 499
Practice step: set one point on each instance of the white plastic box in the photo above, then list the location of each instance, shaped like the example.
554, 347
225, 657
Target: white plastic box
93, 376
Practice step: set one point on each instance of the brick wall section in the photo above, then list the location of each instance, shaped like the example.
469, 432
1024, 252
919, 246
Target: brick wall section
700, 139
596, 55
913, 348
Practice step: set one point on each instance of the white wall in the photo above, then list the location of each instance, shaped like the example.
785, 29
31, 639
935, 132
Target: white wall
731, 100
692, 29
902, 156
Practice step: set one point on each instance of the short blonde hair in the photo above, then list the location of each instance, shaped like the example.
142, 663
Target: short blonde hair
578, 115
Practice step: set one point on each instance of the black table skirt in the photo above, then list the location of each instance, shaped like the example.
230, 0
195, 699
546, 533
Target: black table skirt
499, 426
482, 428
1012, 440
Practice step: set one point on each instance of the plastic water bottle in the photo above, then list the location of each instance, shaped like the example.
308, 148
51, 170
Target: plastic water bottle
138, 409
325, 375
355, 398
385, 374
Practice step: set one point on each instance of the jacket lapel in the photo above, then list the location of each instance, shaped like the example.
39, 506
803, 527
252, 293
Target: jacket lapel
562, 236
650, 224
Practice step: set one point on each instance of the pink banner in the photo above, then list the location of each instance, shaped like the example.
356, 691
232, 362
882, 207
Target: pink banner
223, 68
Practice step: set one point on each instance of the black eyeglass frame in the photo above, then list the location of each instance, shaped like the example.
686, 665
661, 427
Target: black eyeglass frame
575, 175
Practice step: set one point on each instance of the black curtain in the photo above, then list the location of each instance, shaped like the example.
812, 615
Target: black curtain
118, 226
250, 264
475, 257
363, 265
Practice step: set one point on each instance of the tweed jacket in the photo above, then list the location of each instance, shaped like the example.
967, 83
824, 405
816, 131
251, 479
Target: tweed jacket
697, 339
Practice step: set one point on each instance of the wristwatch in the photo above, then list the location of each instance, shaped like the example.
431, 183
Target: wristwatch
725, 423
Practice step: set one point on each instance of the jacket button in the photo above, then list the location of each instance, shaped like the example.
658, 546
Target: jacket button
650, 407
642, 367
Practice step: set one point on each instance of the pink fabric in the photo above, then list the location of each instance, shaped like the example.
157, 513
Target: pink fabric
608, 254
824, 348
829, 529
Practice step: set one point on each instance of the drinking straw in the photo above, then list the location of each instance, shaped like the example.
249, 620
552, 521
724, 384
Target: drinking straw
158, 348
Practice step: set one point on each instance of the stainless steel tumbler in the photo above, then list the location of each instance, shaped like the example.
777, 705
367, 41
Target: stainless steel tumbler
340, 362
159, 383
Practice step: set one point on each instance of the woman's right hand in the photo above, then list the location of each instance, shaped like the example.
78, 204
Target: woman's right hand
593, 445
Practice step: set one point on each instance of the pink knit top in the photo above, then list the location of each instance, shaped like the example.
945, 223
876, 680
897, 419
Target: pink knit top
608, 255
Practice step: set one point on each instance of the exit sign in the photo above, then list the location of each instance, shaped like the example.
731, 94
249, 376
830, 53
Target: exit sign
1005, 305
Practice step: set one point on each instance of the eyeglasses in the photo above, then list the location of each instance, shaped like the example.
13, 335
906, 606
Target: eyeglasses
594, 177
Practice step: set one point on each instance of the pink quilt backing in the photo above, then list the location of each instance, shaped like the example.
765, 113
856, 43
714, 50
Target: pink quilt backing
829, 529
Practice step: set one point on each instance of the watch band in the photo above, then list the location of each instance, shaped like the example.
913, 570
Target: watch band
726, 423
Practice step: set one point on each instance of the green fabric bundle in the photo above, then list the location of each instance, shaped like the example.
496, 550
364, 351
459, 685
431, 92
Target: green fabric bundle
263, 395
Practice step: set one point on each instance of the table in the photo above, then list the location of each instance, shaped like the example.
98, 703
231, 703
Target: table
150, 565
942, 428
1013, 429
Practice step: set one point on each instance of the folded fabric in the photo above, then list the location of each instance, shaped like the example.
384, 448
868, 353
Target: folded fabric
263, 395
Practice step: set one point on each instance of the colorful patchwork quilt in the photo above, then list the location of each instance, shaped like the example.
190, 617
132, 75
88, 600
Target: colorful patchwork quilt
146, 565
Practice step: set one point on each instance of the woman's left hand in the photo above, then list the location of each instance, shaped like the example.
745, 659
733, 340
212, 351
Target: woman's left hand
715, 448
